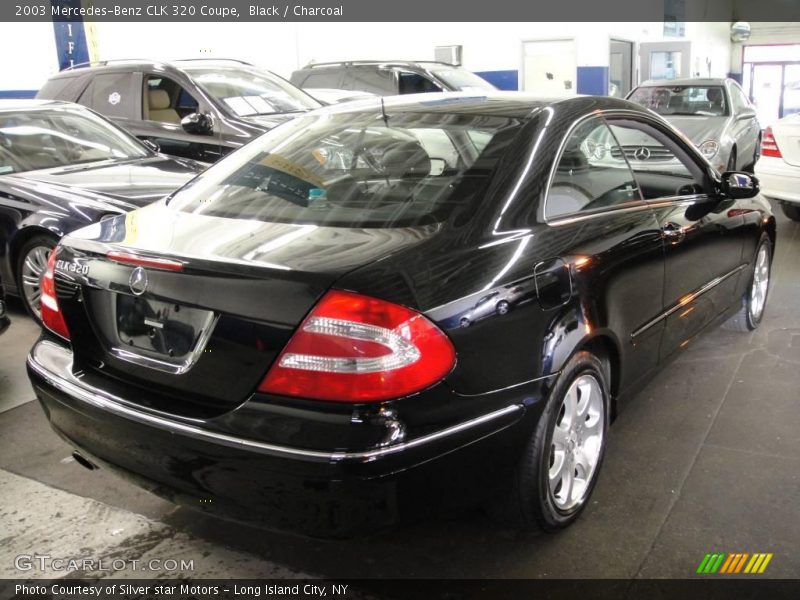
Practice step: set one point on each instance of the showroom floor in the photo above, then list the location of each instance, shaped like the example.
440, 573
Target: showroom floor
705, 459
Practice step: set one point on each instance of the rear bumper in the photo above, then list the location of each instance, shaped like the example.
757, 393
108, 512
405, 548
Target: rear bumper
313, 492
778, 179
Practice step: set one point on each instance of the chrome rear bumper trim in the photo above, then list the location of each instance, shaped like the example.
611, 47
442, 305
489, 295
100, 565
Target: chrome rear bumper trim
66, 382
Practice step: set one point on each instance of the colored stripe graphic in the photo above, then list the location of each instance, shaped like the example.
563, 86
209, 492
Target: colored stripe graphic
733, 563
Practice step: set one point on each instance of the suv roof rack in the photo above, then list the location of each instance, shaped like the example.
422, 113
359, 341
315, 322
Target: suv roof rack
103, 63
347, 63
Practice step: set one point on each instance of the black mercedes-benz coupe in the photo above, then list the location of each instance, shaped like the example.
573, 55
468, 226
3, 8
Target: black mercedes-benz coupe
284, 340
62, 167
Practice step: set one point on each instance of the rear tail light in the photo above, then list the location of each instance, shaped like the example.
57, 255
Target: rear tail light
52, 317
769, 147
355, 348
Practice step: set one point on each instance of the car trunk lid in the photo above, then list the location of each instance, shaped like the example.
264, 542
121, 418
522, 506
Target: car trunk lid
195, 308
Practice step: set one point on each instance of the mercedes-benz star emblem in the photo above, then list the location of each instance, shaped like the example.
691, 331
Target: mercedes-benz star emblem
138, 281
641, 153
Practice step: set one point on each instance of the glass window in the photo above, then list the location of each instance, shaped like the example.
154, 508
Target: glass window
248, 92
110, 95
39, 139
181, 101
592, 173
661, 167
463, 80
322, 78
414, 83
372, 79
738, 99
689, 100
354, 169
665, 64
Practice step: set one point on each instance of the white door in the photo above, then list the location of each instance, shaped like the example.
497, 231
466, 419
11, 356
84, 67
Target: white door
549, 67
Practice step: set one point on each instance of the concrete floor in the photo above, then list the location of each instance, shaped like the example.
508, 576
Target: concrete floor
705, 459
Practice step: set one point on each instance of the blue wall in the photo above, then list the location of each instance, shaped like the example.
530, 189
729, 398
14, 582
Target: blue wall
502, 80
593, 81
18, 93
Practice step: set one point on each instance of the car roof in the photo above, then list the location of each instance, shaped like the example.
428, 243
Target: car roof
685, 81
502, 104
180, 64
405, 63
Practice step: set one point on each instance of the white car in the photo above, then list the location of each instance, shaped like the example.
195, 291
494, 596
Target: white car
778, 169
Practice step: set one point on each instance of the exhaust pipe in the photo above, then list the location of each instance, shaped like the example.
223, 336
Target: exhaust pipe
84, 462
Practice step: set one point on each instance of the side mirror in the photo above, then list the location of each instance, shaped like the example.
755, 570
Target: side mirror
747, 113
198, 123
737, 185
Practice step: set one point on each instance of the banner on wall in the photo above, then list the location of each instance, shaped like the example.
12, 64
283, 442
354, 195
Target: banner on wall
72, 45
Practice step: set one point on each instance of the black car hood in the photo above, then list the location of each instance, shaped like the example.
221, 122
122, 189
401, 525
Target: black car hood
126, 185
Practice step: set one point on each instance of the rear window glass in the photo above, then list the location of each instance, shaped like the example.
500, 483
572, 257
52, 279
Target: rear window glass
355, 170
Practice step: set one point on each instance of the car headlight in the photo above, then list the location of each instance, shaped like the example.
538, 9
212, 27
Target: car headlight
709, 148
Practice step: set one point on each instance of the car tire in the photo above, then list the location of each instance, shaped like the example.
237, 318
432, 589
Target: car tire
535, 498
792, 211
502, 307
754, 300
31, 264
731, 166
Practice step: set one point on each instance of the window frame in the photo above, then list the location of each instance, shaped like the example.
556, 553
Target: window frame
633, 205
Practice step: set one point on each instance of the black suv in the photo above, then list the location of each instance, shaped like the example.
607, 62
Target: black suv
199, 109
389, 78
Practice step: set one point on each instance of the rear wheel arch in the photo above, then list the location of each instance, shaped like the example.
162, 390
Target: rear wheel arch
19, 240
607, 350
771, 229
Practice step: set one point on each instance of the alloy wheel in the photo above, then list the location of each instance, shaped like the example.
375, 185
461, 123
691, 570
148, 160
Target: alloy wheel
577, 443
758, 290
33, 267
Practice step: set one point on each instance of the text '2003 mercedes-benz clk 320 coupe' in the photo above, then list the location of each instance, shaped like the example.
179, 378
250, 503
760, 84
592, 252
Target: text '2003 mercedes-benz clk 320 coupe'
284, 338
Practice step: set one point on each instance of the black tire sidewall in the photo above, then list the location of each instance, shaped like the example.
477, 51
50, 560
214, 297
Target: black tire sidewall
36, 241
534, 485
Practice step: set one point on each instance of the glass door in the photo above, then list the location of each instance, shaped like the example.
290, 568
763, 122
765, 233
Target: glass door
791, 89
766, 87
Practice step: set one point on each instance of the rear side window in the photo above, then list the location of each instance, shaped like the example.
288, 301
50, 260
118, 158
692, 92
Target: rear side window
323, 78
414, 83
372, 79
61, 88
355, 170
591, 173
111, 94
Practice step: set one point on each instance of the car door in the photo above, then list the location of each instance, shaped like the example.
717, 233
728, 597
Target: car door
604, 233
745, 129
114, 94
703, 233
161, 123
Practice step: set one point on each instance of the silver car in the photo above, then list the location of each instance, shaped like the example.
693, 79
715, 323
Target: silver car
714, 113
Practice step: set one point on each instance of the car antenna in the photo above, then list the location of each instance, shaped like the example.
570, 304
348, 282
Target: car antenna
383, 112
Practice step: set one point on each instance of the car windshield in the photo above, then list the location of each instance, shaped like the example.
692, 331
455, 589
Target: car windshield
700, 100
355, 169
60, 136
247, 92
463, 80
